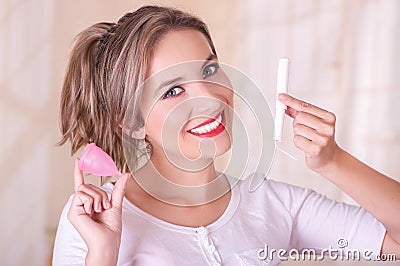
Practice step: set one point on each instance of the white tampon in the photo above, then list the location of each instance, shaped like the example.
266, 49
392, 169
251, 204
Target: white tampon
282, 87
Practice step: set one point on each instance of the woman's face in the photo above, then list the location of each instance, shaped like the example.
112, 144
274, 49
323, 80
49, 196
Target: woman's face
184, 107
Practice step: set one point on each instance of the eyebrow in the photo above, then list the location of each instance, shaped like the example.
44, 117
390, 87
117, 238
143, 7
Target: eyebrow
167, 83
208, 59
175, 80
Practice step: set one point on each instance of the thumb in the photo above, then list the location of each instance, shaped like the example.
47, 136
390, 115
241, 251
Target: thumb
119, 191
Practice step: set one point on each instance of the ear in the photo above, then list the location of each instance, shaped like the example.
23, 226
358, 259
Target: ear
139, 133
136, 134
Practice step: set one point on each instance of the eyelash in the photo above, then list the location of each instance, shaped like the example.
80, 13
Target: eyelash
165, 96
215, 65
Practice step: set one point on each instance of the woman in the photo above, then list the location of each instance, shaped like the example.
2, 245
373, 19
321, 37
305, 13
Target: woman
108, 65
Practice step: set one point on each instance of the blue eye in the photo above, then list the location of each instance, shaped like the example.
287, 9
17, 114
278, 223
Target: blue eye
175, 91
210, 70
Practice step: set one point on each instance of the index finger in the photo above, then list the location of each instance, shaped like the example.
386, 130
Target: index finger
78, 176
302, 106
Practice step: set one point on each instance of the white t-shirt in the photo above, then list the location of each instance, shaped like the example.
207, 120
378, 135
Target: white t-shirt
276, 216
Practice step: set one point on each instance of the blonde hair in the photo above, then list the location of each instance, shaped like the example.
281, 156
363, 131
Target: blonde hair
108, 63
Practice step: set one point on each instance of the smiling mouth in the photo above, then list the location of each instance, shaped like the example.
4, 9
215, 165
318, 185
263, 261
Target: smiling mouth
209, 128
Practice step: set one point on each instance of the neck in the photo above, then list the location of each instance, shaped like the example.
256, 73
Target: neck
184, 172
167, 182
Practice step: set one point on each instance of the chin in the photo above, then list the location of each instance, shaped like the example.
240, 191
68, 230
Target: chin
210, 147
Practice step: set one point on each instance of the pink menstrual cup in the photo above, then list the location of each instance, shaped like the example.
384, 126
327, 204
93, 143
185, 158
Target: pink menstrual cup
95, 161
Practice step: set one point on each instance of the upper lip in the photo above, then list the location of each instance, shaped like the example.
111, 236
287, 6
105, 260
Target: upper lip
208, 121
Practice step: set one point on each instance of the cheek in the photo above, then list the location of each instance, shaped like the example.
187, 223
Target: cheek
225, 94
165, 119
154, 123
229, 96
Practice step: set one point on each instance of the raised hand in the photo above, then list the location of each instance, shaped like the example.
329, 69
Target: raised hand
314, 132
98, 218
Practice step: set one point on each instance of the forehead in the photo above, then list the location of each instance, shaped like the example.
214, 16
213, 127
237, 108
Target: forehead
178, 46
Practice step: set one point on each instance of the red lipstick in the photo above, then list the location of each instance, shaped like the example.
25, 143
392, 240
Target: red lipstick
213, 132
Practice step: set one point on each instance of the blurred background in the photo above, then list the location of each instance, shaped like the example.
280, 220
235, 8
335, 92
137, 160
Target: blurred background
345, 57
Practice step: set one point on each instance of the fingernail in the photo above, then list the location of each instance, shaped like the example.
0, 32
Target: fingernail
283, 96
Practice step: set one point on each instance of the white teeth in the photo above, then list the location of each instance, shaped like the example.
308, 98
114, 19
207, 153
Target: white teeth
209, 127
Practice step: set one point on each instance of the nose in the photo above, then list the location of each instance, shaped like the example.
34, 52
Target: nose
205, 99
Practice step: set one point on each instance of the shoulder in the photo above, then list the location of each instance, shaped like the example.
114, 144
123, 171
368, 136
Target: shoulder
275, 190
108, 187
275, 196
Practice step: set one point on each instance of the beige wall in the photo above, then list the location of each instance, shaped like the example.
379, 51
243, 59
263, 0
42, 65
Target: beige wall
344, 58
